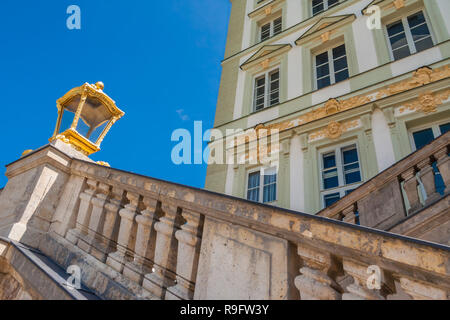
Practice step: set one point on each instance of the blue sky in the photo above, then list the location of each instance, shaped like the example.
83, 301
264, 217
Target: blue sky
159, 60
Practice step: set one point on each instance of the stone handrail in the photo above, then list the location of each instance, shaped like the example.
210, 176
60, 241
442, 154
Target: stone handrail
159, 234
393, 194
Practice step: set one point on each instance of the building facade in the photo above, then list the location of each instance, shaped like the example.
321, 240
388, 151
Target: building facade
349, 96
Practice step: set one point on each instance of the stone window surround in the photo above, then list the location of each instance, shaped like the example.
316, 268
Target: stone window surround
252, 169
267, 72
341, 189
279, 61
400, 15
259, 20
311, 49
328, 49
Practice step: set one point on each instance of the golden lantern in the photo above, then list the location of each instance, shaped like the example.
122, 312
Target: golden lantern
85, 115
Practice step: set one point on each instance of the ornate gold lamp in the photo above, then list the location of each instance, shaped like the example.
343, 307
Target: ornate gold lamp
85, 115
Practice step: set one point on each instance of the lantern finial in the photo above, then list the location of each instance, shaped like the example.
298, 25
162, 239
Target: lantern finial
85, 115
100, 85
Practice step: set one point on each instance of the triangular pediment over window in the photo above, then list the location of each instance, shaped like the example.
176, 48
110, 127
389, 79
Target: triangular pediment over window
383, 4
266, 52
324, 25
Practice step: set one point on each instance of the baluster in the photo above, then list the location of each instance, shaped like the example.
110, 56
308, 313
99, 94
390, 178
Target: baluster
101, 249
157, 281
97, 218
83, 212
422, 291
426, 174
314, 283
410, 187
443, 164
189, 239
145, 238
349, 214
117, 259
359, 289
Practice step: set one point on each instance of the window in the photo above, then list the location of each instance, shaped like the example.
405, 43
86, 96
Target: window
263, 183
319, 6
331, 67
271, 29
409, 35
267, 90
340, 173
423, 136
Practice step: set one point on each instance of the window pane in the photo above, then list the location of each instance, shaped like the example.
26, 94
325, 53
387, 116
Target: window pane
321, 58
340, 64
274, 88
277, 26
444, 128
270, 187
424, 44
322, 71
339, 51
260, 91
352, 173
350, 155
422, 138
265, 32
329, 160
401, 53
329, 199
416, 19
340, 76
253, 186
397, 38
324, 82
317, 6
420, 32
330, 179
332, 3
395, 28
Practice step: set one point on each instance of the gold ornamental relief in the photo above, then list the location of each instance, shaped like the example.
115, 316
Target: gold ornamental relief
427, 102
334, 130
421, 77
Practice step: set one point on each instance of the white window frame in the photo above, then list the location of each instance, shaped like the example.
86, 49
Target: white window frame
272, 28
331, 65
409, 38
266, 88
262, 171
342, 187
325, 7
434, 126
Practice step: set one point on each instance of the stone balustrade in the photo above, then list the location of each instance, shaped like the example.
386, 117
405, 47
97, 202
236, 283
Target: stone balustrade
402, 190
152, 233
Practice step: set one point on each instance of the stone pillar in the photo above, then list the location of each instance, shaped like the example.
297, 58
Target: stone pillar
349, 214
314, 282
156, 282
426, 175
136, 269
443, 164
96, 219
101, 249
117, 259
359, 289
422, 291
189, 239
84, 212
410, 187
